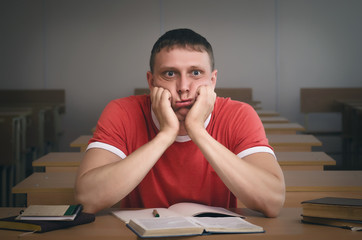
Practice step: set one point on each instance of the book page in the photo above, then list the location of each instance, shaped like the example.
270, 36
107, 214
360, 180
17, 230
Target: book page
226, 224
193, 209
45, 210
165, 223
172, 226
127, 215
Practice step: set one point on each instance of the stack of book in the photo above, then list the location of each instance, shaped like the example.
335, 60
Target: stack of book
336, 212
44, 218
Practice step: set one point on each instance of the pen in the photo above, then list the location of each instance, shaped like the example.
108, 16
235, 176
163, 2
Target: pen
155, 213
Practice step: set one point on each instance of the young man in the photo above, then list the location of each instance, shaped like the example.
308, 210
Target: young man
180, 143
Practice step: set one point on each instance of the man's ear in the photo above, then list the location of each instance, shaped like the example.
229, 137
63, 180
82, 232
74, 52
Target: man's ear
150, 80
214, 78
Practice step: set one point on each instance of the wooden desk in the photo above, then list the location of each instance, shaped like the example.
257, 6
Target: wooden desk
293, 142
305, 185
58, 187
81, 142
304, 160
266, 113
69, 161
351, 132
275, 119
280, 142
323, 181
13, 148
286, 226
282, 128
48, 188
60, 161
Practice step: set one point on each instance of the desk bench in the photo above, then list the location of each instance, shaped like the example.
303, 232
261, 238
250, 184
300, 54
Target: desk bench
266, 113
275, 119
304, 160
59, 161
282, 128
280, 142
293, 142
81, 142
69, 161
58, 187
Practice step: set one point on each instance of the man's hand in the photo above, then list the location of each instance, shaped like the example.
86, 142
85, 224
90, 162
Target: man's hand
200, 111
161, 106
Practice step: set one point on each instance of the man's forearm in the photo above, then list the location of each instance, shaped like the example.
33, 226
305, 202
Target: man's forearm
103, 186
255, 180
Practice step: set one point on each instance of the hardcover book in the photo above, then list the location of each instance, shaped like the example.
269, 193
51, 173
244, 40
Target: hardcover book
331, 207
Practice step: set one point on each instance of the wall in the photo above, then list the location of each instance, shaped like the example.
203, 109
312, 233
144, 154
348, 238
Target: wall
98, 50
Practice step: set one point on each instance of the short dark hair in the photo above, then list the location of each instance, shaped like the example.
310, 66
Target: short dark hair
185, 38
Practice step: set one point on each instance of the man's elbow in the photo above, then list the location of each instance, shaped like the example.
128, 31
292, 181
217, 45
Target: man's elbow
85, 201
273, 210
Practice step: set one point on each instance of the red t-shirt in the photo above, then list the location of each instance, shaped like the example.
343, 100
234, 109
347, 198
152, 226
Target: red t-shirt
182, 173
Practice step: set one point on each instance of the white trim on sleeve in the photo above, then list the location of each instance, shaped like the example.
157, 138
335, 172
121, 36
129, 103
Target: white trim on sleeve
252, 150
107, 147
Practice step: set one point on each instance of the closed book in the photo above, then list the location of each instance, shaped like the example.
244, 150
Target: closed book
331, 207
11, 223
347, 224
50, 212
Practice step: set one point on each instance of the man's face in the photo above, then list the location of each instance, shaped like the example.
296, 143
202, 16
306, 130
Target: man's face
182, 71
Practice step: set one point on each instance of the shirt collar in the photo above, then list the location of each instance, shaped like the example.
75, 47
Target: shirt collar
184, 138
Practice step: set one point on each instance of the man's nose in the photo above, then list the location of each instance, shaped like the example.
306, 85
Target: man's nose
183, 84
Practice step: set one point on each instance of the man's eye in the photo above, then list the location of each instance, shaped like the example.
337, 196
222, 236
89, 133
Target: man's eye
170, 74
196, 72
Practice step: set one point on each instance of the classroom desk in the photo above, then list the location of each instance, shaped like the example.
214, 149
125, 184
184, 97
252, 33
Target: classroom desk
266, 113
286, 226
280, 142
283, 128
293, 142
81, 142
275, 119
59, 161
58, 187
305, 185
304, 160
69, 161
48, 188
13, 148
351, 131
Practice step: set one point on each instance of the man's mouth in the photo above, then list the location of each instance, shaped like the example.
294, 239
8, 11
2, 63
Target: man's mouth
184, 103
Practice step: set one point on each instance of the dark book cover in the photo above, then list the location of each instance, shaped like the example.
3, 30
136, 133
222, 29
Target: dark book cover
355, 202
11, 223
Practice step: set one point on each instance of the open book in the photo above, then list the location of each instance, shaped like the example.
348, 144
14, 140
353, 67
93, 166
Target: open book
185, 219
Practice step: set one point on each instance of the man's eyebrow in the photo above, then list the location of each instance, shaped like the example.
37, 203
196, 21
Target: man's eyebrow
196, 67
167, 67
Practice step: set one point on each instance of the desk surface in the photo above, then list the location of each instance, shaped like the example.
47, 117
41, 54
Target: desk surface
275, 119
339, 181
267, 113
58, 188
323, 181
59, 159
106, 226
304, 159
283, 128
72, 159
292, 126
275, 140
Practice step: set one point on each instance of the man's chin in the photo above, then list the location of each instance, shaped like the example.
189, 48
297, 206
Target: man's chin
182, 113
